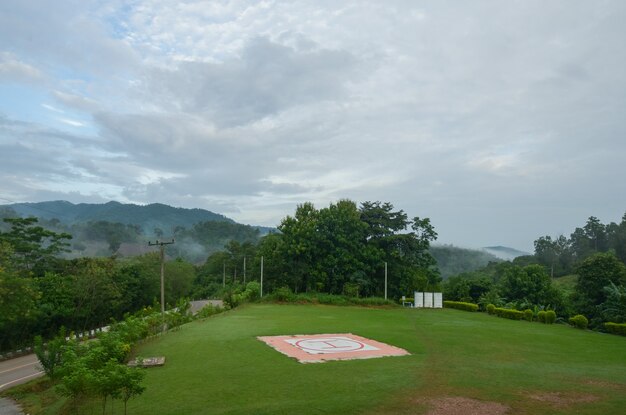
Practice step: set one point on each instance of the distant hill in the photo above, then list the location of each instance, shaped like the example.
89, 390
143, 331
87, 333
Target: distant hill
149, 217
452, 260
504, 252
124, 229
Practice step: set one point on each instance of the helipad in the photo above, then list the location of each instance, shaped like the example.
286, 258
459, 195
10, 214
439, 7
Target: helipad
315, 348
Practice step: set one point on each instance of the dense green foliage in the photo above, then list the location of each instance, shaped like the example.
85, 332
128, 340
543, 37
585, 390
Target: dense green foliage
459, 305
340, 249
79, 294
595, 253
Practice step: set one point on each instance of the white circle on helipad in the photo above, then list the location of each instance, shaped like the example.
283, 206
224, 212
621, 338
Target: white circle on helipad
330, 345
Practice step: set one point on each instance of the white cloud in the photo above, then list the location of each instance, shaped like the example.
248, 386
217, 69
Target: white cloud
484, 111
14, 70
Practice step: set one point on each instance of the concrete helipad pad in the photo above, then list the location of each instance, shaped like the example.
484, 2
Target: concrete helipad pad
316, 348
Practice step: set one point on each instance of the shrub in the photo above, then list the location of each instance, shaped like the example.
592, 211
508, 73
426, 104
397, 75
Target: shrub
252, 291
208, 310
579, 321
541, 316
283, 294
509, 313
459, 305
351, 289
528, 314
550, 317
616, 328
491, 309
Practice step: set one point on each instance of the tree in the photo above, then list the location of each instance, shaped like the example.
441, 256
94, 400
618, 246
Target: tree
530, 285
594, 274
34, 248
50, 357
17, 302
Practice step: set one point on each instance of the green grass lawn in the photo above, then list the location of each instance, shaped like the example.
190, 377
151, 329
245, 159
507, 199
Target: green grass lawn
217, 366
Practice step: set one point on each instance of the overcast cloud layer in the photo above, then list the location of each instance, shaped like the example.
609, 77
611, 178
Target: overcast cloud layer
501, 121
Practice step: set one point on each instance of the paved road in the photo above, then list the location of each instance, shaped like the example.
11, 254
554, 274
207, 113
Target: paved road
19, 370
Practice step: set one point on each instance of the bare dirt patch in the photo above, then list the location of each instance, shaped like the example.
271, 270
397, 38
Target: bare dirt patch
563, 399
457, 405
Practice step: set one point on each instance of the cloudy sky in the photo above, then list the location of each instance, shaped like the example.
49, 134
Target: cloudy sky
500, 120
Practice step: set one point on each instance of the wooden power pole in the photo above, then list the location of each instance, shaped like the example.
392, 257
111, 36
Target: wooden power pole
161, 245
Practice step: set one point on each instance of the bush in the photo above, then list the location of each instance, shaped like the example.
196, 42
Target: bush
550, 317
209, 310
491, 309
459, 305
579, 321
528, 314
351, 289
509, 313
616, 328
283, 294
252, 291
541, 316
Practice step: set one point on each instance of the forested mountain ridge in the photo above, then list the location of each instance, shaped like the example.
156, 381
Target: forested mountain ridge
115, 228
149, 217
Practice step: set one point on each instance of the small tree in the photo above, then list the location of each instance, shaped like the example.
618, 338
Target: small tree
130, 384
50, 357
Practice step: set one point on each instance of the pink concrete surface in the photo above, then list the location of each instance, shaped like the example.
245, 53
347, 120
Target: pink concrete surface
317, 348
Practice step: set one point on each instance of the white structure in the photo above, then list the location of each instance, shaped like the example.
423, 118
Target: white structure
437, 300
419, 300
428, 300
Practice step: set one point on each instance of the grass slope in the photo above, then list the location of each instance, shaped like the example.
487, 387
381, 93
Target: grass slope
217, 366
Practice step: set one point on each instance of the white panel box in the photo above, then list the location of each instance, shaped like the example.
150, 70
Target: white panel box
428, 300
419, 300
438, 300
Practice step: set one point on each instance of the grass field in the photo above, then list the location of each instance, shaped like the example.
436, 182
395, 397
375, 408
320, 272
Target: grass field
217, 366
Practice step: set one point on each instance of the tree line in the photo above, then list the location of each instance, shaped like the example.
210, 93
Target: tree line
339, 249
594, 255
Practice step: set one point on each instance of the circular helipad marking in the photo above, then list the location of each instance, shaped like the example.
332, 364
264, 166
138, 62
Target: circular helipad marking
330, 345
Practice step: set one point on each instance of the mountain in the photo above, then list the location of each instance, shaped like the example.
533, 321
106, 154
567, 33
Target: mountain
504, 252
115, 228
149, 217
452, 260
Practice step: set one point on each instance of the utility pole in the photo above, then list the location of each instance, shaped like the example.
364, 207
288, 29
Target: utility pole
261, 276
224, 275
385, 280
244, 270
161, 245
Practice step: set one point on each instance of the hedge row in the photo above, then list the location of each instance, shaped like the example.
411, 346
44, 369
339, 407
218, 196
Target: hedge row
508, 313
459, 305
616, 328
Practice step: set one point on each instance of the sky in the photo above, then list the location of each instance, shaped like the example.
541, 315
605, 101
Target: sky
499, 121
